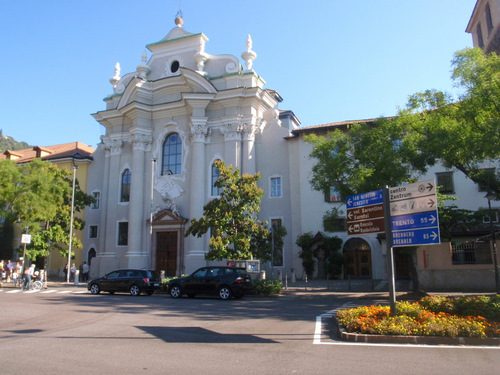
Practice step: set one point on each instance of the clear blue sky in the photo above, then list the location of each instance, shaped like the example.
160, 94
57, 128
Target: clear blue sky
331, 60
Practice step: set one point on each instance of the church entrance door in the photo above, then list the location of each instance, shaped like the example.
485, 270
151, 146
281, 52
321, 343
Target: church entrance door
166, 252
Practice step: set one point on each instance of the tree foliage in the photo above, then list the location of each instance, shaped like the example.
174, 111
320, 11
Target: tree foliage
235, 233
461, 132
37, 195
366, 157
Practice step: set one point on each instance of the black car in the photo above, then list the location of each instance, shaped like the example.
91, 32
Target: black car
224, 282
134, 281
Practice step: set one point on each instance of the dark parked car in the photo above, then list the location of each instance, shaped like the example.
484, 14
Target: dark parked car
224, 282
129, 280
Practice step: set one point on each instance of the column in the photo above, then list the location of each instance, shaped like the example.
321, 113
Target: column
199, 130
108, 259
232, 143
141, 142
248, 154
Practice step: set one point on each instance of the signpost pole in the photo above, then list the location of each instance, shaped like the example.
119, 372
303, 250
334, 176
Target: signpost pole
389, 252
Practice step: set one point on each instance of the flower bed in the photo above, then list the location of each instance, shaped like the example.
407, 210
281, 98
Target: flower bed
431, 316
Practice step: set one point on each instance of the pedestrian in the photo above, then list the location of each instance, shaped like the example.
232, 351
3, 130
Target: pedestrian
85, 272
72, 272
28, 275
66, 272
17, 274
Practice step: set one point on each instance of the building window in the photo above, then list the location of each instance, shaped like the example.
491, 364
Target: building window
97, 197
123, 233
489, 20
445, 182
215, 176
332, 195
125, 186
277, 250
494, 217
172, 155
275, 187
479, 33
93, 231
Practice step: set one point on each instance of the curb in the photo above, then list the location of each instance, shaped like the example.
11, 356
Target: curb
418, 340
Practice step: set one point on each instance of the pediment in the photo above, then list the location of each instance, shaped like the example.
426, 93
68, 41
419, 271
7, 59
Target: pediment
166, 216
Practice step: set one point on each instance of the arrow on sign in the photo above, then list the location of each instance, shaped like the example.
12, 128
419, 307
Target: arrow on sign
433, 219
434, 235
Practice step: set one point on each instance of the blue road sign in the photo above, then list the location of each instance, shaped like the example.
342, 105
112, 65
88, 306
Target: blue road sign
415, 237
415, 221
365, 199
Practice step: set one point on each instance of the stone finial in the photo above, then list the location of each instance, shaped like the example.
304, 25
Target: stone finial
143, 69
249, 56
116, 78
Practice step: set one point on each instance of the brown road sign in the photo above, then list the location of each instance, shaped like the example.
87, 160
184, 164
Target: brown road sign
365, 213
366, 226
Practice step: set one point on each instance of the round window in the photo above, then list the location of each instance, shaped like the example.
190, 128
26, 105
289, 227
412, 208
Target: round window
174, 67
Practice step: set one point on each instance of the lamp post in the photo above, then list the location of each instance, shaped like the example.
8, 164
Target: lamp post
75, 167
490, 195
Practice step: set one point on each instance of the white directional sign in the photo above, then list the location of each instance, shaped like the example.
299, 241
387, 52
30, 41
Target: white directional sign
417, 189
411, 206
414, 218
25, 238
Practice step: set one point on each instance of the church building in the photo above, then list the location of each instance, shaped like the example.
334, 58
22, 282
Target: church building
165, 126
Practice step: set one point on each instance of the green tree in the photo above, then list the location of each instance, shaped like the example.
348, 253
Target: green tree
366, 157
235, 233
37, 195
460, 132
305, 241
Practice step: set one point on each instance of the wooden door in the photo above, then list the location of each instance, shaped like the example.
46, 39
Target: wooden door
358, 264
166, 252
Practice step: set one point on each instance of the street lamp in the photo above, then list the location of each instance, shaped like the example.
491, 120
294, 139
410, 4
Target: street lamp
75, 167
490, 195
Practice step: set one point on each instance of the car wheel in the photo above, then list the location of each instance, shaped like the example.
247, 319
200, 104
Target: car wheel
94, 289
225, 292
175, 291
135, 290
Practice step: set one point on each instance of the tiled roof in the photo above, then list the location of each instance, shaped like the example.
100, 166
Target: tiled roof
76, 150
334, 125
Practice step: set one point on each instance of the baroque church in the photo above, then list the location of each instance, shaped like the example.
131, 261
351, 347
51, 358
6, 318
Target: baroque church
166, 124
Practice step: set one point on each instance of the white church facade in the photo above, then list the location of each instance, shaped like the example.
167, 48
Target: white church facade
166, 124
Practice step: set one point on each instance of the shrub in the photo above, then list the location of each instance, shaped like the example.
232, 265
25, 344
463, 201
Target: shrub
267, 287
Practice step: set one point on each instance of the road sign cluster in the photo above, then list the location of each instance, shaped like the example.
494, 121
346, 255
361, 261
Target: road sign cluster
414, 217
413, 212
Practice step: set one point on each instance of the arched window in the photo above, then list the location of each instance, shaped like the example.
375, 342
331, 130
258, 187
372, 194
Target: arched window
489, 19
172, 155
215, 175
125, 185
90, 255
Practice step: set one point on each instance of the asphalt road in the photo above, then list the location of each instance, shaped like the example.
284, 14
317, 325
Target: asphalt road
69, 331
